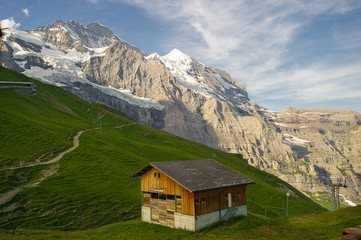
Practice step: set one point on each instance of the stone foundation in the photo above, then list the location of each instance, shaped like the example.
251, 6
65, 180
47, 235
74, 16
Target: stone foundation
146, 214
192, 223
210, 218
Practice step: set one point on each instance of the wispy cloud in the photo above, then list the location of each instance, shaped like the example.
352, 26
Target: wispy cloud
316, 83
25, 11
251, 40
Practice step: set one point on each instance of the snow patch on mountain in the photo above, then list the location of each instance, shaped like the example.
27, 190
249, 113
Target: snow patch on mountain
352, 204
292, 140
180, 66
86, 36
281, 124
64, 69
155, 56
30, 38
126, 95
222, 81
60, 60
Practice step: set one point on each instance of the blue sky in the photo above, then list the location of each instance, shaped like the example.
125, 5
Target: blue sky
297, 53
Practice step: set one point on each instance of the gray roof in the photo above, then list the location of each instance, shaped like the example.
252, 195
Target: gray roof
198, 175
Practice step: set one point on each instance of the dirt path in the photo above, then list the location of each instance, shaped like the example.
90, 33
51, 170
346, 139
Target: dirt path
57, 158
121, 126
54, 160
7, 196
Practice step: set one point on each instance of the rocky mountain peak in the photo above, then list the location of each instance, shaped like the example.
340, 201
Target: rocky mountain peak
96, 36
320, 115
100, 30
177, 57
58, 23
154, 56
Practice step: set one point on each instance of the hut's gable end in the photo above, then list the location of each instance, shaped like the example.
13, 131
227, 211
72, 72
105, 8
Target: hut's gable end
155, 181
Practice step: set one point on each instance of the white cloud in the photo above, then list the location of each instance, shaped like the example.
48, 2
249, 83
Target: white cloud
93, 1
9, 23
25, 11
316, 83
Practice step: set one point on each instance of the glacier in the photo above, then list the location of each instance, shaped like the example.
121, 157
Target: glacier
64, 69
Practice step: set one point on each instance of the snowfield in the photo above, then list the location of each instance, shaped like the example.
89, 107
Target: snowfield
64, 69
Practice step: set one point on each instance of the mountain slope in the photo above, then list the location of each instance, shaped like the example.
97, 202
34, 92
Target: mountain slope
91, 186
177, 94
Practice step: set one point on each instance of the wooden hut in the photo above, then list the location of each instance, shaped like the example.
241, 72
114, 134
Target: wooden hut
191, 194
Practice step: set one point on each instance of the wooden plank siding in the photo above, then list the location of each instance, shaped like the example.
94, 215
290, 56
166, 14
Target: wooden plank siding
166, 185
162, 211
215, 200
208, 201
146, 199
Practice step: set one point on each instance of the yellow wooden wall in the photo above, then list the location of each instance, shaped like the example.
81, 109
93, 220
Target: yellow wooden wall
211, 198
169, 187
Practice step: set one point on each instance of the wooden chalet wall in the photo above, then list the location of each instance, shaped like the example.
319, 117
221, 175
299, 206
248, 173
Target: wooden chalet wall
166, 185
207, 201
214, 200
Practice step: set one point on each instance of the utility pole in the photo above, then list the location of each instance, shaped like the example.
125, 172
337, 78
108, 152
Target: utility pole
287, 195
338, 197
335, 193
333, 198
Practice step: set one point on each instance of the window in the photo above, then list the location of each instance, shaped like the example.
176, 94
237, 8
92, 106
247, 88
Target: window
162, 196
226, 196
203, 200
170, 197
154, 195
156, 175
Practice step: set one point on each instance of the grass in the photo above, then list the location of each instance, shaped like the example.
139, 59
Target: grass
91, 187
313, 226
41, 125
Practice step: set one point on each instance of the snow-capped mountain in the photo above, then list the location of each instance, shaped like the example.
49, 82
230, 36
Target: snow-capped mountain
176, 93
53, 53
202, 79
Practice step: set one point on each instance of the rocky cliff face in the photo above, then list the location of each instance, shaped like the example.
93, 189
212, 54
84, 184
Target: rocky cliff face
325, 145
310, 149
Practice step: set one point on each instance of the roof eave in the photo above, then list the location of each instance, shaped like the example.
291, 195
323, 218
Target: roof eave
208, 189
142, 170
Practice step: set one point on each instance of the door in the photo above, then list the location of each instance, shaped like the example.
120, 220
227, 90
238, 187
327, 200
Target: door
229, 200
154, 206
162, 209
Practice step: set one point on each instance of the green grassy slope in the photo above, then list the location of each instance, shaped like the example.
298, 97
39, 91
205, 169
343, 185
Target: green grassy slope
91, 186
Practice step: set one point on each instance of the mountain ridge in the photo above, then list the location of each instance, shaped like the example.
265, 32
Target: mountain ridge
200, 103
